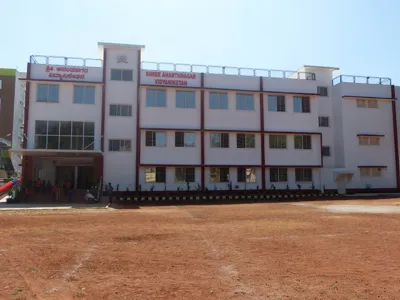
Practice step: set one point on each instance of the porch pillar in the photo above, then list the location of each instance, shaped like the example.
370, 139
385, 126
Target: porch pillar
76, 177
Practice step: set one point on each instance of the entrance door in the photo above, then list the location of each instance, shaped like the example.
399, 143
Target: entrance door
65, 173
85, 177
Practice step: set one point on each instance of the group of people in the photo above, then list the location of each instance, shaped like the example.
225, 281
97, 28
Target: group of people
43, 187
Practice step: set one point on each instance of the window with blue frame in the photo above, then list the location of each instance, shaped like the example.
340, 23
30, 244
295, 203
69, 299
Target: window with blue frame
218, 100
185, 99
244, 102
84, 94
156, 98
47, 93
301, 104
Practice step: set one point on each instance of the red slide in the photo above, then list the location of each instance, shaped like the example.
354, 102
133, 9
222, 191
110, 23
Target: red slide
9, 185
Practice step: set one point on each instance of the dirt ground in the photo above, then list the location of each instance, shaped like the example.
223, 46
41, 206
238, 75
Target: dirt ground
249, 251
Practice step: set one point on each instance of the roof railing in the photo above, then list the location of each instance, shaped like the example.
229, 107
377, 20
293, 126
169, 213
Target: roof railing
361, 79
66, 61
226, 70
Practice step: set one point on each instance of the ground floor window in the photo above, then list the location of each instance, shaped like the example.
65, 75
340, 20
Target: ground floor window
304, 174
370, 172
278, 175
219, 175
157, 174
184, 175
246, 175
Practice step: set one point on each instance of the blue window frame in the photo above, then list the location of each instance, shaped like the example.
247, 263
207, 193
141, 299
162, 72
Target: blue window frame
47, 93
84, 94
156, 98
185, 99
218, 100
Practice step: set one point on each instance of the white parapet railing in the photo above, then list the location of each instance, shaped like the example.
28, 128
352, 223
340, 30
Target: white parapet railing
226, 70
362, 79
66, 61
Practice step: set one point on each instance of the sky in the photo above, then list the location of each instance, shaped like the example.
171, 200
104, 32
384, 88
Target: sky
361, 37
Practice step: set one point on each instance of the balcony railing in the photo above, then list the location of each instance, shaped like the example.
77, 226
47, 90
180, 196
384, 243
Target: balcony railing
162, 66
66, 61
361, 79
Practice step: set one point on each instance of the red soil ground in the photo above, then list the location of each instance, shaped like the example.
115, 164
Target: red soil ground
251, 251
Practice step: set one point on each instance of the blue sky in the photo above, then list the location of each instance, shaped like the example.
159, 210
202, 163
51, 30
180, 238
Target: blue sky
359, 36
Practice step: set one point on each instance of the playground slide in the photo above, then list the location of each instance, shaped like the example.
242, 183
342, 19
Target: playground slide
9, 185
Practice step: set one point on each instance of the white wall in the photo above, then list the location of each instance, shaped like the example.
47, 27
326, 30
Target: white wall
119, 167
290, 120
291, 156
289, 85
232, 155
231, 118
170, 116
64, 110
170, 154
367, 120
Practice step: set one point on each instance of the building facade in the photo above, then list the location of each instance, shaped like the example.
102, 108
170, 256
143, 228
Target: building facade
155, 127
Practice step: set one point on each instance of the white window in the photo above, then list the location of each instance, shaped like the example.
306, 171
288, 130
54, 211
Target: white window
185, 175
1, 84
369, 140
185, 139
218, 100
219, 140
246, 175
156, 139
370, 172
304, 174
244, 102
119, 110
121, 75
322, 91
278, 174
84, 94
156, 98
245, 140
120, 145
157, 174
276, 103
277, 141
65, 135
47, 93
185, 99
323, 121
302, 142
301, 104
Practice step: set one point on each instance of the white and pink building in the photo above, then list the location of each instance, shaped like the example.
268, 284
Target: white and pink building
161, 126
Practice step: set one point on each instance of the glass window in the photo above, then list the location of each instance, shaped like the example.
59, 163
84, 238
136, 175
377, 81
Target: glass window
361, 103
302, 142
65, 142
323, 121
244, 102
322, 91
160, 174
184, 175
304, 174
150, 175
156, 98
53, 127
276, 103
120, 145
245, 140
326, 151
121, 75
89, 128
77, 128
185, 99
52, 141
77, 142
219, 140
277, 141
84, 94
301, 104
246, 175
40, 142
41, 127
156, 138
65, 128
218, 100
219, 175
120, 110
185, 139
278, 175
47, 93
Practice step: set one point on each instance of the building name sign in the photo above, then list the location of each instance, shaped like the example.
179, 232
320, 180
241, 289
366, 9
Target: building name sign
66, 72
171, 78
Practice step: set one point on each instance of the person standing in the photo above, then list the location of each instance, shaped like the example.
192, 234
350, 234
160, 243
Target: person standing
110, 194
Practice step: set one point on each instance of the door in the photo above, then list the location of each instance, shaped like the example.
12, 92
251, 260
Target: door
85, 177
64, 174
